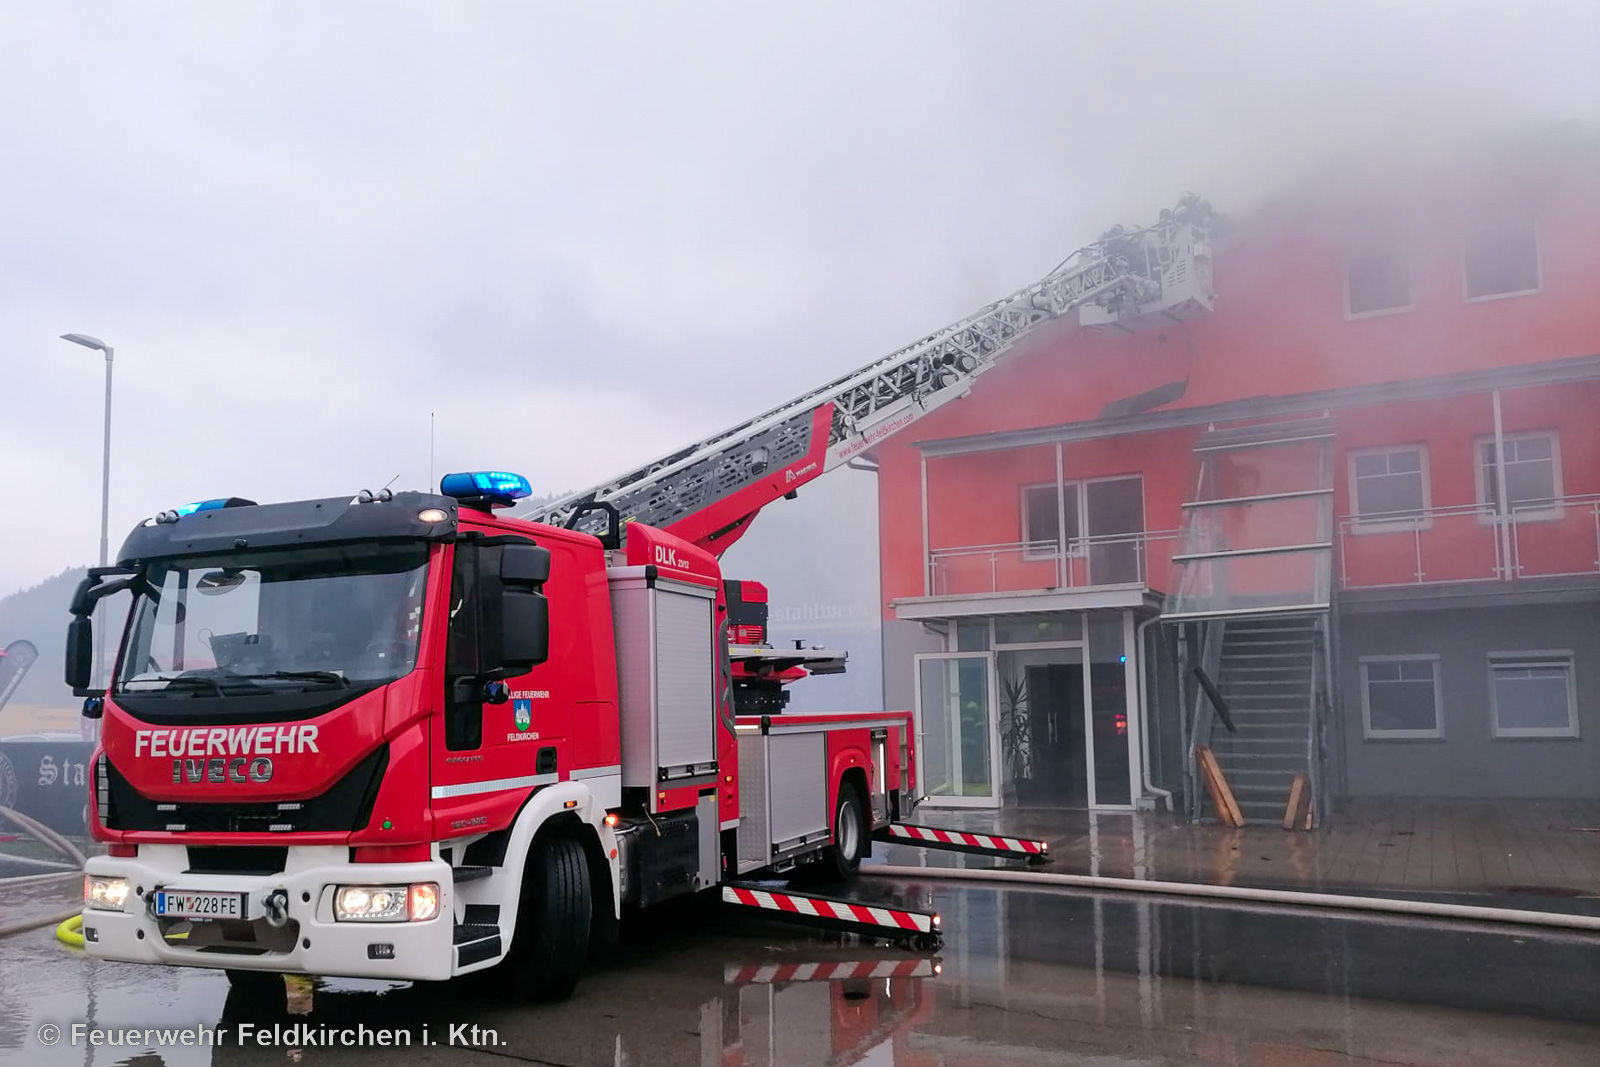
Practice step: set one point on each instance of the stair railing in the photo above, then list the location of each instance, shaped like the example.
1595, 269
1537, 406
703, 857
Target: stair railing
1204, 716
1314, 720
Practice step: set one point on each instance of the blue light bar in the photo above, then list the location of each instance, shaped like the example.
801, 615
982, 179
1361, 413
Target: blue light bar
202, 505
495, 485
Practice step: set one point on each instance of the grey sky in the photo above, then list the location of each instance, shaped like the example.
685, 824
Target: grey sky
590, 233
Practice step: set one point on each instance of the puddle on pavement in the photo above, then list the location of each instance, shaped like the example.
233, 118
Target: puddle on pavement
1023, 977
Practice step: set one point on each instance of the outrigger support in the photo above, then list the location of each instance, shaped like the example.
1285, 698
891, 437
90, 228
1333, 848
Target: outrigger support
1036, 853
916, 929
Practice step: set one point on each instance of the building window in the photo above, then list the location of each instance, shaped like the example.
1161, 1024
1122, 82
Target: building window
1400, 697
1501, 261
1533, 475
1041, 521
1376, 283
972, 635
1039, 628
1531, 694
1389, 489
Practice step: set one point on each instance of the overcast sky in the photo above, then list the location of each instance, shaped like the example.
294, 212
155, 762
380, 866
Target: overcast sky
585, 234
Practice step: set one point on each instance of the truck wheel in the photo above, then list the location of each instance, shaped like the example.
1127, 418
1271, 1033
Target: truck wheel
552, 936
843, 858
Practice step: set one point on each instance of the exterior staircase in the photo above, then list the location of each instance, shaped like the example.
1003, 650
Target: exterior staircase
1252, 591
1266, 677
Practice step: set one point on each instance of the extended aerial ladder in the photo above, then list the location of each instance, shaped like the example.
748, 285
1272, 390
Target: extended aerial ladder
709, 492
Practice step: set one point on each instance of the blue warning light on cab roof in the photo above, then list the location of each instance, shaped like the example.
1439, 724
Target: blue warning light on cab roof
200, 505
502, 485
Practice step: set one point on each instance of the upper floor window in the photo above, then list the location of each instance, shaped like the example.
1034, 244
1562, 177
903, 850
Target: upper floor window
1104, 522
1501, 261
1388, 488
1041, 519
1532, 472
1376, 283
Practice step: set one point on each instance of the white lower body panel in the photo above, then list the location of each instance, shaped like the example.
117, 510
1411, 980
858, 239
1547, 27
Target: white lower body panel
320, 946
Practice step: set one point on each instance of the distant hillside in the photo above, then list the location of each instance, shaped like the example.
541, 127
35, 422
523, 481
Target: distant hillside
39, 614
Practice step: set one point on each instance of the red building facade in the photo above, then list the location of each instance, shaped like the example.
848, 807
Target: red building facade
1359, 503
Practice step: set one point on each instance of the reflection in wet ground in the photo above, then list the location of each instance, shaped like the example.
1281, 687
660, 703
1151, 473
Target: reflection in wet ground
1515, 853
1024, 977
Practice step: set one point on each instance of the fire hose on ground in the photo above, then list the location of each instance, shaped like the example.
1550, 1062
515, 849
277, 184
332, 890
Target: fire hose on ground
1244, 894
69, 923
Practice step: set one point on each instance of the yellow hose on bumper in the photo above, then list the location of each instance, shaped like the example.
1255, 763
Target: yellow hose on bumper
70, 933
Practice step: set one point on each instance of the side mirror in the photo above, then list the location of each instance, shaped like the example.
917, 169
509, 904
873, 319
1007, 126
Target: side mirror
80, 655
524, 565
80, 631
525, 633
524, 611
90, 591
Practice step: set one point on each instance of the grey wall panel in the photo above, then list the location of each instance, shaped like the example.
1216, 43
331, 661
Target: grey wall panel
1469, 761
901, 641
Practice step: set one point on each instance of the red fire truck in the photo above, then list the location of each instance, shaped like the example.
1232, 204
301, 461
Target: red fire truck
415, 735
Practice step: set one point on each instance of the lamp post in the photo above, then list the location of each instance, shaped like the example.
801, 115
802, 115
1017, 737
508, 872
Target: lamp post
105, 472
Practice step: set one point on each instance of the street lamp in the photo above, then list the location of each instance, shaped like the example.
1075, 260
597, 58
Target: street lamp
105, 469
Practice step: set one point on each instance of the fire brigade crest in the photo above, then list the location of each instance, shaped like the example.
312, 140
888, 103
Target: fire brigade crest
522, 713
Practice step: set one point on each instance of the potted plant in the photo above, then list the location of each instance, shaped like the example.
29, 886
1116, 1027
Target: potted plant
1016, 734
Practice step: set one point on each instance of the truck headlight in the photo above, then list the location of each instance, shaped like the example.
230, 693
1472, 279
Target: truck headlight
106, 894
386, 903
423, 901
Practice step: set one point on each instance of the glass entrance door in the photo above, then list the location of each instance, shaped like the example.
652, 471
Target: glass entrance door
958, 763
1043, 746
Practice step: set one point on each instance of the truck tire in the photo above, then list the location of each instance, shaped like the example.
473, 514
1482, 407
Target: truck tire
552, 935
842, 859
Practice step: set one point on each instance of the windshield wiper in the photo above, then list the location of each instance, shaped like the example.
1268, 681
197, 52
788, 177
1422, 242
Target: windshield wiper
302, 676
182, 681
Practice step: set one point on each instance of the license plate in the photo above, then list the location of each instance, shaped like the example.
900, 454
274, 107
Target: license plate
193, 904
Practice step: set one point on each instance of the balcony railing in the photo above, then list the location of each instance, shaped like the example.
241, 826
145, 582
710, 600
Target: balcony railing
1558, 540
1470, 543
1084, 563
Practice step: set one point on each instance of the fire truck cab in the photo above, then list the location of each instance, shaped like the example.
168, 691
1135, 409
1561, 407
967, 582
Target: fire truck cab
403, 736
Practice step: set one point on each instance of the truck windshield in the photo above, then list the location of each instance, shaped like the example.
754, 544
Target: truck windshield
323, 618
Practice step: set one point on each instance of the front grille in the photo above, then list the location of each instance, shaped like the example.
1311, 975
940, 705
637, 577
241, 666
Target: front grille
255, 937
229, 859
345, 806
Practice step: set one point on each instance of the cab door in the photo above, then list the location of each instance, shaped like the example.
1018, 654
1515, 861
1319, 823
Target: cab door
500, 734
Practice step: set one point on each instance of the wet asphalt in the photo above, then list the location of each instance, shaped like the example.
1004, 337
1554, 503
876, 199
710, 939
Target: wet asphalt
1023, 977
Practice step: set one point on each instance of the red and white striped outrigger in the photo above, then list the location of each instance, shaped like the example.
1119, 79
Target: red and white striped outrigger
917, 928
828, 970
1035, 852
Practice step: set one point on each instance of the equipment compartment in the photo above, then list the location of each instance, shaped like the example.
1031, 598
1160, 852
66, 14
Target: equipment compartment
666, 670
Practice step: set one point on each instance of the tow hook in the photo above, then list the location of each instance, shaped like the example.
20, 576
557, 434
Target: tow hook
277, 907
